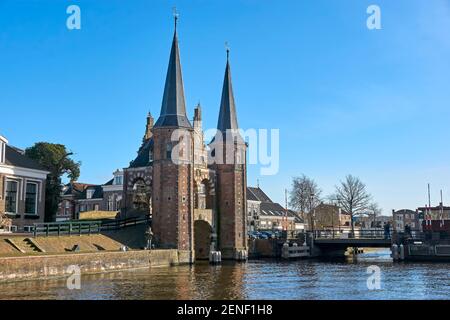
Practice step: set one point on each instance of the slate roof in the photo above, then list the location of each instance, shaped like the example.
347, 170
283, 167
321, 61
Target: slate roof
79, 190
16, 157
256, 194
109, 183
275, 209
227, 115
436, 208
143, 157
98, 192
173, 108
75, 188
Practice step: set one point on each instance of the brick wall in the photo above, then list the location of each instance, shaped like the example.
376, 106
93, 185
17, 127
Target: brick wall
172, 196
29, 267
22, 219
231, 195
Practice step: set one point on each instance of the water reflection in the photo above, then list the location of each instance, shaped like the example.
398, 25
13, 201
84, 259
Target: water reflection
262, 279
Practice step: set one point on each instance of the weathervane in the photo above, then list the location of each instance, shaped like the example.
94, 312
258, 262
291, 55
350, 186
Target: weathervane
227, 47
175, 15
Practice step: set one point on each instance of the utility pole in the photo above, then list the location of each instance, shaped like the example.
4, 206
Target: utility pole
442, 211
312, 211
286, 211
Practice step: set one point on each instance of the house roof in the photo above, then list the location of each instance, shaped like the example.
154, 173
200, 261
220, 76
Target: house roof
143, 157
98, 192
75, 188
109, 183
403, 211
17, 158
275, 209
256, 194
436, 208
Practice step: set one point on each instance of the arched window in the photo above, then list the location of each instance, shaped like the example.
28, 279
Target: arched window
140, 194
139, 186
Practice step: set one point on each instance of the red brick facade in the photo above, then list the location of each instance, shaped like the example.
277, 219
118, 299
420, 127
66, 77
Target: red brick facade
172, 195
232, 203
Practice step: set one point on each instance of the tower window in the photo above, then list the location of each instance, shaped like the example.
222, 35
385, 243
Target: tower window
150, 156
169, 151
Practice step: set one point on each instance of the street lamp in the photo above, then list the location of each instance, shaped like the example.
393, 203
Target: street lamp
336, 201
313, 211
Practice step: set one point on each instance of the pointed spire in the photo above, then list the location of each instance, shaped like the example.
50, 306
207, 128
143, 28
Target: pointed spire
173, 108
227, 115
198, 112
148, 127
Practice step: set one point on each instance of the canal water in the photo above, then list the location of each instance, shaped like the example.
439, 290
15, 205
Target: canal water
258, 279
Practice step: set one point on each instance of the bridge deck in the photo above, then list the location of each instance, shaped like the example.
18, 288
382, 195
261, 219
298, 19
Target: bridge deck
354, 242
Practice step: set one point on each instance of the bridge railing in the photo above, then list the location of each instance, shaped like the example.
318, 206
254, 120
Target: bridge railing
123, 223
357, 234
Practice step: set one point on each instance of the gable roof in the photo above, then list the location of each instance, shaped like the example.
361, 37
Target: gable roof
256, 194
79, 190
143, 157
277, 210
75, 188
109, 183
98, 192
17, 158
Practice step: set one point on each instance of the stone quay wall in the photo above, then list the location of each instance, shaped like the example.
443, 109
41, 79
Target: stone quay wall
44, 266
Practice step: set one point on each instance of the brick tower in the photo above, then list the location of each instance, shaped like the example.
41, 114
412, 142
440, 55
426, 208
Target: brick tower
172, 181
230, 153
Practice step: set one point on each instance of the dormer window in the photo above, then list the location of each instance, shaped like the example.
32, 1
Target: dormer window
118, 180
90, 193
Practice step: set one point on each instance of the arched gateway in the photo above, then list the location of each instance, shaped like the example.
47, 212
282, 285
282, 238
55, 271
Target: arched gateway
196, 205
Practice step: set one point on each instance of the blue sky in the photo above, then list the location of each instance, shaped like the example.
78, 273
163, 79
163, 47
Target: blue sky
346, 99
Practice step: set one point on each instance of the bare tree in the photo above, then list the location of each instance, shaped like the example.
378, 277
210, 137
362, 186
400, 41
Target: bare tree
304, 196
375, 211
352, 197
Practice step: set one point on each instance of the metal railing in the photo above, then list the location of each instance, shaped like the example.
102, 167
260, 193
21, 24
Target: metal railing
66, 228
357, 234
123, 223
84, 227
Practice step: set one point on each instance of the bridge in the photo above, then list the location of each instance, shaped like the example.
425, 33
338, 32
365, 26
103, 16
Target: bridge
335, 243
360, 238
